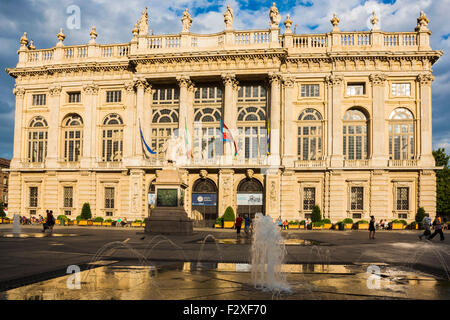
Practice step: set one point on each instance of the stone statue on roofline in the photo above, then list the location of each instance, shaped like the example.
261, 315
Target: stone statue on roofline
422, 22
186, 21
229, 15
275, 16
143, 23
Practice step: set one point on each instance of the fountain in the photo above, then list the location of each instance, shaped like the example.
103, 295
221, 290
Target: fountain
268, 252
16, 225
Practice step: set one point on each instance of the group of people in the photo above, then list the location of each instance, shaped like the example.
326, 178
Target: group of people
238, 224
284, 225
383, 224
49, 221
437, 224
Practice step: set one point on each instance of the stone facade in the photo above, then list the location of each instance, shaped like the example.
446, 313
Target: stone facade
341, 120
4, 180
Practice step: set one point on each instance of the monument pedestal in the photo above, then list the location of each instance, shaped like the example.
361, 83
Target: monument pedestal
169, 216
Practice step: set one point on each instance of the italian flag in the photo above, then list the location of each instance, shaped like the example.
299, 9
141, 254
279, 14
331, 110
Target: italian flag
227, 136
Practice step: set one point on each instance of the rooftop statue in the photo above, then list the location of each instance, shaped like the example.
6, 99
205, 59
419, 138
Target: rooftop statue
229, 15
186, 21
143, 23
275, 16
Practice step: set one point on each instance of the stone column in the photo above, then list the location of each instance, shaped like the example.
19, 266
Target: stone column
141, 85
275, 100
426, 152
190, 118
289, 123
227, 193
229, 113
128, 139
378, 142
146, 122
184, 83
17, 153
89, 124
335, 116
53, 127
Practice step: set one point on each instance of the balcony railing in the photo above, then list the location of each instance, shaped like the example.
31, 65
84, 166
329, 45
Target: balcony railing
310, 164
356, 163
403, 163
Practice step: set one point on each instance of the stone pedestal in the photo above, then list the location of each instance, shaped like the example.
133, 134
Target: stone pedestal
169, 216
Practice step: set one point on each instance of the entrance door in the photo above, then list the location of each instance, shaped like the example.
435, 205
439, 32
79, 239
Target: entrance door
204, 203
250, 198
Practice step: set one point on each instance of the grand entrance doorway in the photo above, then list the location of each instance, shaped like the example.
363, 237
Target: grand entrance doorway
204, 203
250, 197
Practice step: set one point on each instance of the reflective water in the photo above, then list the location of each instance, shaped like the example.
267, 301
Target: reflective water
37, 235
248, 241
228, 281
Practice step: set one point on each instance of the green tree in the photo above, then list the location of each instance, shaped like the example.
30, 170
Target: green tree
229, 215
316, 215
86, 212
442, 183
2, 212
420, 215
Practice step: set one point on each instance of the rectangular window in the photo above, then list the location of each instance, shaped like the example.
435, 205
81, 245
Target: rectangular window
356, 89
33, 197
310, 90
309, 198
114, 96
109, 198
68, 197
167, 95
401, 89
357, 198
403, 198
39, 99
74, 97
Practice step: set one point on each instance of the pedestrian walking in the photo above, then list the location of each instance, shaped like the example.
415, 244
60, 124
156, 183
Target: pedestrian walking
426, 223
50, 221
247, 224
238, 224
437, 226
372, 228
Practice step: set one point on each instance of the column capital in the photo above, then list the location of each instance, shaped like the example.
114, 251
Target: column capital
19, 92
55, 90
425, 79
378, 79
141, 84
192, 88
334, 80
149, 89
184, 81
288, 81
229, 79
129, 86
90, 88
274, 78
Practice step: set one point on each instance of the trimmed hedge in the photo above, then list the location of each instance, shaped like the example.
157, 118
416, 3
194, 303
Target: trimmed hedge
98, 219
363, 222
86, 213
229, 215
348, 221
326, 221
316, 215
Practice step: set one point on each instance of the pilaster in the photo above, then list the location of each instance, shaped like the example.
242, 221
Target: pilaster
379, 154
53, 126
19, 92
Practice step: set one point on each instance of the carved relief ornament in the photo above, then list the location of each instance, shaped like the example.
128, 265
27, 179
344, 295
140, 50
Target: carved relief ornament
288, 82
334, 80
184, 81
425, 79
378, 79
274, 79
19, 92
229, 80
90, 89
55, 90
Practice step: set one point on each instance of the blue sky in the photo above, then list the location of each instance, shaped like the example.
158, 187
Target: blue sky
114, 20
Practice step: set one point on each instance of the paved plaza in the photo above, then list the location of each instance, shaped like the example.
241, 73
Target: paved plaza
215, 264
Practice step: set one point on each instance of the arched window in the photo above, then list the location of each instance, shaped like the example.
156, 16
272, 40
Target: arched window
401, 135
204, 200
73, 138
37, 140
112, 138
310, 135
208, 143
250, 197
355, 144
165, 124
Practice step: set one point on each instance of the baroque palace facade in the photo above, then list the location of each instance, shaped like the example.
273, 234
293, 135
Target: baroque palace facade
341, 120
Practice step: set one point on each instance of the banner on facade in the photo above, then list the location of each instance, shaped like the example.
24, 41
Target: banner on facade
250, 199
204, 199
